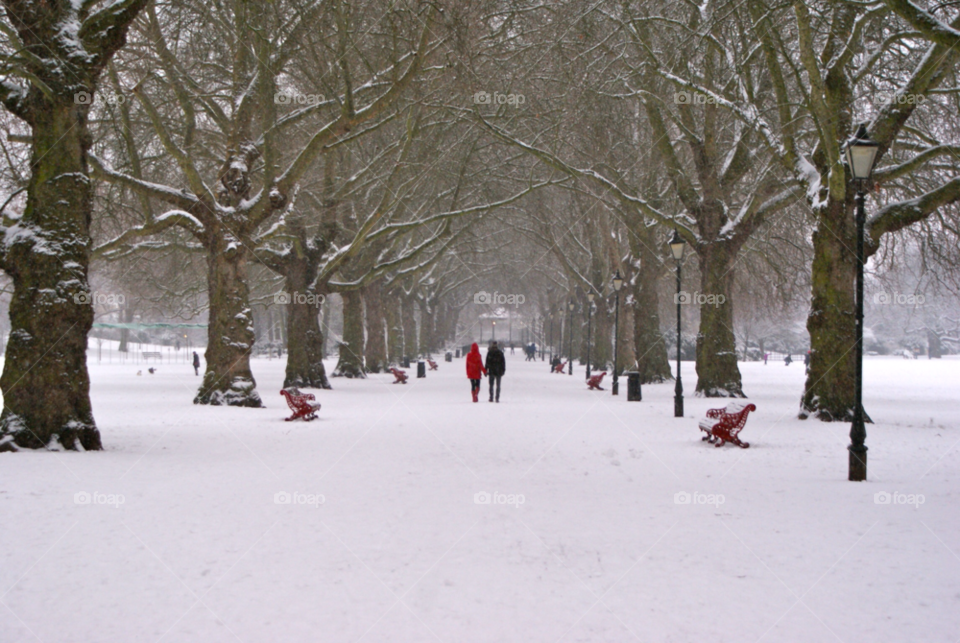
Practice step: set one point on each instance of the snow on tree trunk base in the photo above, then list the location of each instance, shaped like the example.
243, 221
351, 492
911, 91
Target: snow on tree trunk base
240, 392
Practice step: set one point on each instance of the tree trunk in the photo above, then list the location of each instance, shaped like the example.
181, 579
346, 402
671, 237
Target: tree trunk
829, 390
230, 337
351, 346
717, 371
934, 350
391, 313
651, 351
409, 327
304, 336
126, 316
45, 383
376, 348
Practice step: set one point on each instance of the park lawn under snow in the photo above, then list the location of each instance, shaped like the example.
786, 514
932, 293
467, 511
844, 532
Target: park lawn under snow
592, 545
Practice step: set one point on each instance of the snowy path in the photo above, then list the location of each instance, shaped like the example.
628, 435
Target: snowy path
599, 550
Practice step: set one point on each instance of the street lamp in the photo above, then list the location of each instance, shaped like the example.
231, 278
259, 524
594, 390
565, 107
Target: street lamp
677, 247
590, 297
493, 332
861, 154
570, 340
617, 285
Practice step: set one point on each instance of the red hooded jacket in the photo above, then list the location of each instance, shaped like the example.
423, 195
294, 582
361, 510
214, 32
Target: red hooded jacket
475, 363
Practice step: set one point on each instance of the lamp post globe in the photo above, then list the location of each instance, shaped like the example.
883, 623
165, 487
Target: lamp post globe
861, 154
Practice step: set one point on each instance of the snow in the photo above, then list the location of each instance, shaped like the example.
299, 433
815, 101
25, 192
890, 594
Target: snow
213, 524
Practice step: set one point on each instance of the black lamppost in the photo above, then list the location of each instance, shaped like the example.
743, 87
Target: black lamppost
590, 297
550, 341
570, 340
677, 247
861, 153
617, 285
493, 331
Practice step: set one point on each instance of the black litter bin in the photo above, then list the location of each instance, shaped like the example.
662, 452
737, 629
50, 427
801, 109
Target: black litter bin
421, 369
406, 362
633, 386
448, 357
458, 353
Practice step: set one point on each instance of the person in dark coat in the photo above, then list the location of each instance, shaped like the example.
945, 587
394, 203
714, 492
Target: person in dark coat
496, 367
196, 363
475, 370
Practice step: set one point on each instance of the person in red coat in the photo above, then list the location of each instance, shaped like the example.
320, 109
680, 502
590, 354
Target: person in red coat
475, 370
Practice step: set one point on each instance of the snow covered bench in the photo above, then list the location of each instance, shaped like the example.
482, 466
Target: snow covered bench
302, 404
400, 375
723, 425
154, 354
594, 382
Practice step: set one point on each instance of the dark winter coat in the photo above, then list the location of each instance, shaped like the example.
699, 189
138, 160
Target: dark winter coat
496, 364
196, 360
475, 367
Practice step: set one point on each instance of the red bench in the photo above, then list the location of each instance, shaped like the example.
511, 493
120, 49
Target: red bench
400, 375
559, 367
723, 425
302, 404
594, 382
432, 364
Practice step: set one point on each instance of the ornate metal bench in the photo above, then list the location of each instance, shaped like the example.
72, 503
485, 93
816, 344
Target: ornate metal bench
302, 404
400, 375
594, 382
432, 364
559, 367
723, 425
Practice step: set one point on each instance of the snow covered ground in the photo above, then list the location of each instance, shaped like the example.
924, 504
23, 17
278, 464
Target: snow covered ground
175, 533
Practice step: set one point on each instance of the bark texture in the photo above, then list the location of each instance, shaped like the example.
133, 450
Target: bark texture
376, 347
717, 372
350, 363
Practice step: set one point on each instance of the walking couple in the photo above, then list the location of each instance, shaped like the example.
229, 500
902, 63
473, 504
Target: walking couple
494, 369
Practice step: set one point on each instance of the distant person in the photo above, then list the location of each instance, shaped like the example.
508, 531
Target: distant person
496, 367
178, 345
806, 361
765, 356
475, 370
511, 348
787, 360
196, 363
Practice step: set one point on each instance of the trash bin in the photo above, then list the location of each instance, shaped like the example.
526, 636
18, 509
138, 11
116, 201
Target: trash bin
633, 386
448, 357
406, 362
458, 353
421, 369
